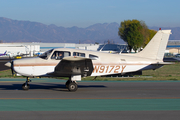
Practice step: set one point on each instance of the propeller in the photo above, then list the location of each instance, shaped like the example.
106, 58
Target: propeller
12, 70
10, 64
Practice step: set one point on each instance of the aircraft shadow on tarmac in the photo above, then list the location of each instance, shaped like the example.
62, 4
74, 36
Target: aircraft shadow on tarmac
55, 87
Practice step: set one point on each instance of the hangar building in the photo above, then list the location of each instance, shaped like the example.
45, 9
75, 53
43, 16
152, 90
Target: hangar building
36, 47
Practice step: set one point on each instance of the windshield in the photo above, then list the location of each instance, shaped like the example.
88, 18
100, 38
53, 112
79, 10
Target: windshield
46, 54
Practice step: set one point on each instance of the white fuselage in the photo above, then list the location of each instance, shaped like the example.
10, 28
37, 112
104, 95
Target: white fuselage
104, 64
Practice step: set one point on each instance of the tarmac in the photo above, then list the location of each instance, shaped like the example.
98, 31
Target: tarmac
49, 99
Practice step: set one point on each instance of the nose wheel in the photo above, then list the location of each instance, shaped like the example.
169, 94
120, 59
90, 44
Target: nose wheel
71, 85
26, 86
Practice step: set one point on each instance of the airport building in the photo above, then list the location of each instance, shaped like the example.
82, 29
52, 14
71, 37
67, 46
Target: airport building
33, 48
14, 49
173, 46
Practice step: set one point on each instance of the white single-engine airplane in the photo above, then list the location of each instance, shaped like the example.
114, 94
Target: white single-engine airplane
75, 63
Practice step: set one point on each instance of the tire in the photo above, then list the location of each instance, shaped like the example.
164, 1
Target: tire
25, 87
67, 83
72, 87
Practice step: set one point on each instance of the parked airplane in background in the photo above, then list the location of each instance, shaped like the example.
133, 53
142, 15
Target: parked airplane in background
2, 54
75, 63
15, 54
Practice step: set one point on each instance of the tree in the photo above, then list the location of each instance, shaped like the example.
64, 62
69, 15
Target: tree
135, 33
131, 32
151, 34
96, 43
147, 34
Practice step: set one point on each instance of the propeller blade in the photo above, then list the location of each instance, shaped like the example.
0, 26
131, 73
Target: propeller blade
12, 70
10, 64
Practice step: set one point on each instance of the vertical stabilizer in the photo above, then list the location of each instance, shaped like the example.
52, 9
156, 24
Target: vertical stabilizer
156, 47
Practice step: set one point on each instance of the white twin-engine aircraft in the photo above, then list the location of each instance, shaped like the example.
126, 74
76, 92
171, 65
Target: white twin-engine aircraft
75, 63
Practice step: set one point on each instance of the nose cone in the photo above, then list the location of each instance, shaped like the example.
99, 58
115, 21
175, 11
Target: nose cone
8, 64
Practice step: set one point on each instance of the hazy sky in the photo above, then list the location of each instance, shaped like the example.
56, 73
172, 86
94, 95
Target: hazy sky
83, 13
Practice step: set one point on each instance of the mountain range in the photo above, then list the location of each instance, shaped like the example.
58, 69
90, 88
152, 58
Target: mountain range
27, 31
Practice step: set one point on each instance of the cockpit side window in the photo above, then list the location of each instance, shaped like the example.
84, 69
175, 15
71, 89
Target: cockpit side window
78, 54
93, 57
58, 55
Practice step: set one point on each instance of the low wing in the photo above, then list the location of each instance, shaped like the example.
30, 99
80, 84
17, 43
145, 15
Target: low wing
163, 63
73, 66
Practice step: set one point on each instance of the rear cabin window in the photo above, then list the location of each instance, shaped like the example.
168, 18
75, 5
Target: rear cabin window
93, 57
58, 55
78, 54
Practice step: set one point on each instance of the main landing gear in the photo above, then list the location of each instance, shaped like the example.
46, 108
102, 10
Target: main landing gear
71, 85
26, 86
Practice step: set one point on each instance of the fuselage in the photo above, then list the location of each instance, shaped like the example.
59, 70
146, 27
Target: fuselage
103, 63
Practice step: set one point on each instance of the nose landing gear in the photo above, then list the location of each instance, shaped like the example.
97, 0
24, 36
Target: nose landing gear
26, 86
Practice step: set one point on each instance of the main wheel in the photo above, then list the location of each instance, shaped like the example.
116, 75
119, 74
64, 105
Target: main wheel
72, 87
25, 87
